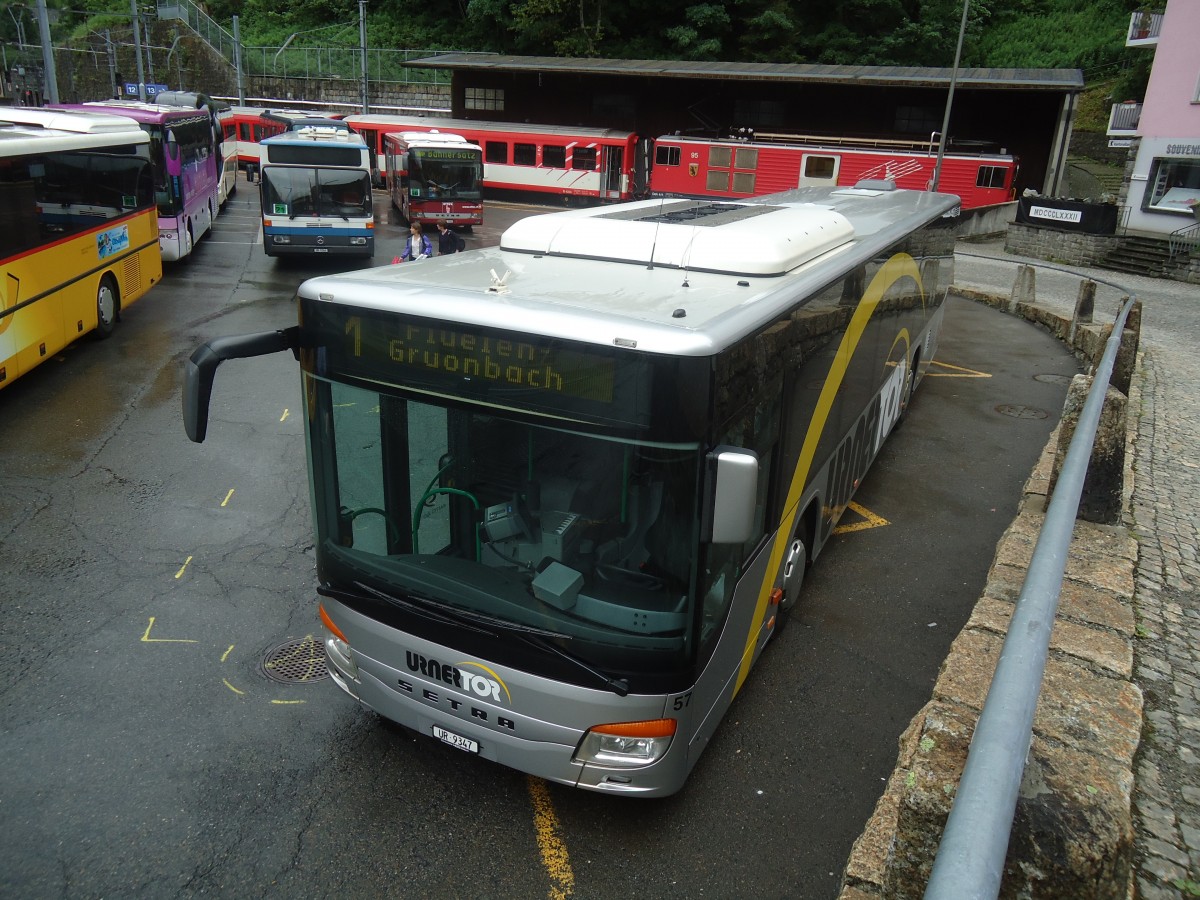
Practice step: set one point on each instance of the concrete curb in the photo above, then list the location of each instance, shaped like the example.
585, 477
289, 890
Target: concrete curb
1073, 833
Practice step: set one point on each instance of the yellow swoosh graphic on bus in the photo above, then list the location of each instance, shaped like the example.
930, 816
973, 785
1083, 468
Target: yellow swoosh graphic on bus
899, 266
499, 680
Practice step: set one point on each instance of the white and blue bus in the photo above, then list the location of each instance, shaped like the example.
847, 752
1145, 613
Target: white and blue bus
316, 193
566, 489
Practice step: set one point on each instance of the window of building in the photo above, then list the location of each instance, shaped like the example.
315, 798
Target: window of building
763, 115
1173, 186
614, 107
524, 154
584, 158
483, 98
666, 156
990, 177
918, 120
495, 152
554, 156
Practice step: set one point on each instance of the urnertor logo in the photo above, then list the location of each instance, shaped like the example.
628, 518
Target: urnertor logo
453, 675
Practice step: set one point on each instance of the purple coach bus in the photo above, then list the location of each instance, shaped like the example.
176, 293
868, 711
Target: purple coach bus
185, 147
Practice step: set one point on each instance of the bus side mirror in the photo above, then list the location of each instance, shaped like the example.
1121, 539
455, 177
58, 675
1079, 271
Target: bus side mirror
201, 369
730, 495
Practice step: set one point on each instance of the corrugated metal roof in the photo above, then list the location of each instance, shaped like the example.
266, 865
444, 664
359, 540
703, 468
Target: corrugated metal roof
1029, 79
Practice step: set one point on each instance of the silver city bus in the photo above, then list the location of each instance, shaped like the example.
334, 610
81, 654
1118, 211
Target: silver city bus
566, 489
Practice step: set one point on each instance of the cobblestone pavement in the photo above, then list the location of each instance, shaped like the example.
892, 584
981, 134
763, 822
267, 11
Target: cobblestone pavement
1164, 517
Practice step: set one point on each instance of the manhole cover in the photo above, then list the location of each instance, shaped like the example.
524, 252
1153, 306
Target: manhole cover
1053, 379
1021, 412
296, 661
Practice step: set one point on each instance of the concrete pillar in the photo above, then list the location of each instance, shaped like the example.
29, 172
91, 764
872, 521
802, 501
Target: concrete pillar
1024, 289
1085, 303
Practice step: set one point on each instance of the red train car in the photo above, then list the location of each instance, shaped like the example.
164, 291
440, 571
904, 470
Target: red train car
246, 126
522, 161
768, 163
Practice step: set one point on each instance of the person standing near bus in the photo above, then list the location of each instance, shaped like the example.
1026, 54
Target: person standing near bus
418, 245
448, 241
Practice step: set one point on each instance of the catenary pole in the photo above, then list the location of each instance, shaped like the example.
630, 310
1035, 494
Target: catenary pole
937, 166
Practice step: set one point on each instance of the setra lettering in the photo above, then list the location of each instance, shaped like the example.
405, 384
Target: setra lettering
452, 676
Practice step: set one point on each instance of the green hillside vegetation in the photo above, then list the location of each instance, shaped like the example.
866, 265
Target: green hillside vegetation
1085, 34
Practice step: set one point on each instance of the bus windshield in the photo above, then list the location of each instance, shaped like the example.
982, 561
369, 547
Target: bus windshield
581, 536
439, 174
73, 192
169, 200
307, 192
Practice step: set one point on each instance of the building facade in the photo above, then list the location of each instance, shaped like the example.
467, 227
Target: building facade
1163, 192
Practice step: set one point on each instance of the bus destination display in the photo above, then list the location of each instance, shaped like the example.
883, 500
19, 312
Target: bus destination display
457, 357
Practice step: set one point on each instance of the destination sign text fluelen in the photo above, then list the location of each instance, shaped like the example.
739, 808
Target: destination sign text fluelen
514, 363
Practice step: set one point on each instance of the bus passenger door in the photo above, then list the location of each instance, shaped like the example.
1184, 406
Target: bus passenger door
819, 170
612, 172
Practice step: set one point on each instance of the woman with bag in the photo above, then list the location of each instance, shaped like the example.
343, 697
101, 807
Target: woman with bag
418, 245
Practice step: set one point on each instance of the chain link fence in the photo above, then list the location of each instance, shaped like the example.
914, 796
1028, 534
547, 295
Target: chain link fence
306, 62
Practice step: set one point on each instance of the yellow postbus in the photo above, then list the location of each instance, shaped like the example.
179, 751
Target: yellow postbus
78, 229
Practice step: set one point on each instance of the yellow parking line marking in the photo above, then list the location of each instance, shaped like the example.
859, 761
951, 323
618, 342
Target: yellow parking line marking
146, 639
183, 568
225, 502
555, 858
870, 520
959, 372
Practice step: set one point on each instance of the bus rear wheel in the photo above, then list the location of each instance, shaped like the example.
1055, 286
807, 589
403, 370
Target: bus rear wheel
108, 307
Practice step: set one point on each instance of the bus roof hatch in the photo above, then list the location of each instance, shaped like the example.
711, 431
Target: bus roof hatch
743, 239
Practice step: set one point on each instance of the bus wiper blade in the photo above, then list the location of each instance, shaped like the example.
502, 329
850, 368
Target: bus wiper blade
424, 606
618, 686
537, 637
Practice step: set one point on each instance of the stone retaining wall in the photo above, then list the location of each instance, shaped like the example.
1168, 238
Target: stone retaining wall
1073, 832
1072, 247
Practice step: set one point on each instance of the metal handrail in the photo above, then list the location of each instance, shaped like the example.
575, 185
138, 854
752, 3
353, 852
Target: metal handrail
1185, 239
970, 859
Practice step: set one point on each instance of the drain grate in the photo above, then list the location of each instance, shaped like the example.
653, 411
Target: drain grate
296, 661
1051, 378
1021, 412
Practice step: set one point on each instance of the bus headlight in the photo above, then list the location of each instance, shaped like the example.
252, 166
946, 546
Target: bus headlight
358, 241
282, 239
338, 648
626, 744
